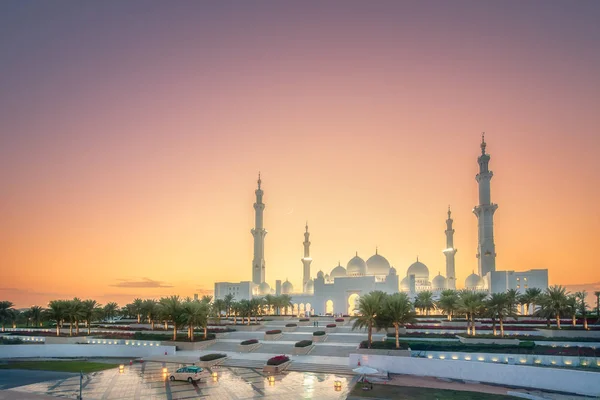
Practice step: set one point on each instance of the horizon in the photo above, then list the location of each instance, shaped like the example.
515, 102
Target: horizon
131, 135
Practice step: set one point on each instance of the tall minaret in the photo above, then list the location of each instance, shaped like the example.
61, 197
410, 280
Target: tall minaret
306, 260
449, 252
486, 250
259, 233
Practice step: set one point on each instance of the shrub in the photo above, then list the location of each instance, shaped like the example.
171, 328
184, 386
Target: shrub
278, 360
5, 340
290, 325
339, 320
249, 341
345, 315
214, 356
331, 325
319, 333
303, 343
273, 332
389, 345
304, 319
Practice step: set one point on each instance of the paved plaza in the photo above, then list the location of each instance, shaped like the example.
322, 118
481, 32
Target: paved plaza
147, 381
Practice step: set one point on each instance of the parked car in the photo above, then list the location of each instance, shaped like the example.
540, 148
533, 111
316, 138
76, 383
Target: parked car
189, 373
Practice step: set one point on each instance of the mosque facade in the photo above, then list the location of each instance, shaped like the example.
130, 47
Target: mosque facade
338, 291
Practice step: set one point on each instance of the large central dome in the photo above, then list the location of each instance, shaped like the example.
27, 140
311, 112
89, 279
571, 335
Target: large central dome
419, 270
377, 265
356, 266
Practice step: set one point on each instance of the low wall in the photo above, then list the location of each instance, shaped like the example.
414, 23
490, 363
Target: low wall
562, 380
191, 345
81, 350
566, 333
384, 352
498, 340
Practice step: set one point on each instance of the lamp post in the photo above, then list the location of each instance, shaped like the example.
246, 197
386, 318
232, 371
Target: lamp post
80, 385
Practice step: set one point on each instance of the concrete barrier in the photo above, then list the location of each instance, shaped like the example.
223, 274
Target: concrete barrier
561, 380
81, 350
567, 333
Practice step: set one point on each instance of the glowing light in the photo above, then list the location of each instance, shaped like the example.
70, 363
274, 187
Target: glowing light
523, 361
481, 358
337, 384
121, 368
568, 362
164, 370
430, 356
214, 374
468, 358
494, 359
442, 357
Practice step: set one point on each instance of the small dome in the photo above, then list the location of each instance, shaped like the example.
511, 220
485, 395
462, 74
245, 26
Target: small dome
287, 287
310, 287
264, 288
338, 271
439, 282
405, 284
419, 270
377, 265
392, 271
473, 281
356, 266
320, 274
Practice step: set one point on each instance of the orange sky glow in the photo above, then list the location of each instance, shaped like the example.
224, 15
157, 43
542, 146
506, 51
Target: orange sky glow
131, 138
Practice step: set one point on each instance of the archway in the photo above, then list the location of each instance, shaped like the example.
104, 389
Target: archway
295, 309
308, 309
302, 310
353, 303
329, 307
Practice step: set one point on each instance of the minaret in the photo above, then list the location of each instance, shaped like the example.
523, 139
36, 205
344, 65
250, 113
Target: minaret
259, 233
306, 260
449, 252
486, 250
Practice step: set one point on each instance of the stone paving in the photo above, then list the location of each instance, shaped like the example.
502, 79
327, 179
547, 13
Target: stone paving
147, 381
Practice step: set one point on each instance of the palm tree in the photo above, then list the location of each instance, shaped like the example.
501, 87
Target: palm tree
424, 302
572, 308
235, 309
218, 307
471, 303
206, 299
5, 306
285, 302
269, 301
556, 300
150, 311
398, 310
256, 306
581, 305
35, 314
12, 316
91, 312
244, 308
512, 296
544, 311
369, 306
530, 297
228, 300
171, 310
110, 310
74, 312
499, 306
448, 303
597, 294
194, 314
57, 311
136, 308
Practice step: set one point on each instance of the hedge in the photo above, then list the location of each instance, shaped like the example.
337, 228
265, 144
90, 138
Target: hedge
273, 332
214, 356
304, 319
319, 333
249, 341
278, 360
303, 343
290, 325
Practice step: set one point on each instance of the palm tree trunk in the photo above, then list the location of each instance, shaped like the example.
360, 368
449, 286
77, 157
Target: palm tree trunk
57, 328
192, 334
468, 325
494, 326
574, 320
558, 321
585, 326
370, 338
89, 328
205, 332
166, 326
139, 316
77, 328
152, 324
473, 324
174, 330
71, 328
397, 333
501, 327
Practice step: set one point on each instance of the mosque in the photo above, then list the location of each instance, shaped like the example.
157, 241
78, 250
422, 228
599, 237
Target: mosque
338, 291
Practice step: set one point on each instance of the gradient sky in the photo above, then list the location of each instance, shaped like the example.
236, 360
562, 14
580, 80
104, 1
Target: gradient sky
131, 134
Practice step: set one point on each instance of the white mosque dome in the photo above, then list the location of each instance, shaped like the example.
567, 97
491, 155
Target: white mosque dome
419, 270
320, 274
310, 287
338, 271
264, 288
356, 266
438, 282
287, 287
392, 271
377, 265
405, 284
473, 281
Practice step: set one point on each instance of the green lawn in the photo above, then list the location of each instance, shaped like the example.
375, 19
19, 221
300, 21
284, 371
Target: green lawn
61, 366
417, 393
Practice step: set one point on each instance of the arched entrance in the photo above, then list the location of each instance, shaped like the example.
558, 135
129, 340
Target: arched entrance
353, 303
295, 309
308, 309
329, 307
302, 309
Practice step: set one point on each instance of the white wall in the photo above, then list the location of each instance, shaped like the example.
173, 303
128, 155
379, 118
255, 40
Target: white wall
81, 350
563, 380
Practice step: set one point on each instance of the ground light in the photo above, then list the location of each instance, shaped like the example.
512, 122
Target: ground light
337, 385
164, 370
121, 368
271, 380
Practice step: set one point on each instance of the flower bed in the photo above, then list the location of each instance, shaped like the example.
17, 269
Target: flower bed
212, 356
319, 333
303, 343
291, 325
278, 360
483, 328
339, 320
304, 319
273, 332
249, 342
330, 326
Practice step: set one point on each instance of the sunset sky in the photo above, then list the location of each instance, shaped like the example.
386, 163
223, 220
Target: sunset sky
131, 135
